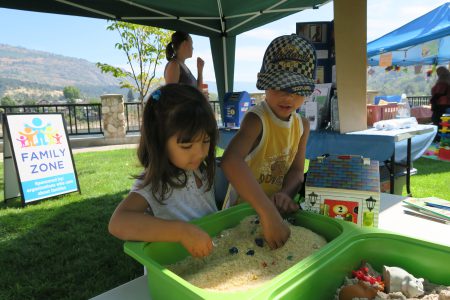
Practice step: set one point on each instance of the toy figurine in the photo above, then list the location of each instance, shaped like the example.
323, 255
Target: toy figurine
359, 290
398, 280
367, 274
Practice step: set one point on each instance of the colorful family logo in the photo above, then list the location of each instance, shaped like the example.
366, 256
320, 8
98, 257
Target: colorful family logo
38, 134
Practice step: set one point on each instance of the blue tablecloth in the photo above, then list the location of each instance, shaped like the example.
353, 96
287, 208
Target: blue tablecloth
375, 145
369, 143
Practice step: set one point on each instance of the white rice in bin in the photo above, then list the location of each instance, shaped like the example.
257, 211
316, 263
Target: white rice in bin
226, 270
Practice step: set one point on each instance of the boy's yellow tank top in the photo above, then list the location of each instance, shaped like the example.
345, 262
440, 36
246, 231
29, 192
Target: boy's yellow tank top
272, 158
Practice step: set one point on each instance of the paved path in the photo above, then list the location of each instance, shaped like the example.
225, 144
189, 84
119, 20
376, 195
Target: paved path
104, 148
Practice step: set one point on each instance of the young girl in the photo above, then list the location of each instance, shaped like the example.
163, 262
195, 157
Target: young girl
178, 140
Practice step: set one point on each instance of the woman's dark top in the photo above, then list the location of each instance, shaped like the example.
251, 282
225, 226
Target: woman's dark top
186, 76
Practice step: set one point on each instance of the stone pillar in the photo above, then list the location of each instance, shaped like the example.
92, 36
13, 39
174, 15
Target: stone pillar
113, 117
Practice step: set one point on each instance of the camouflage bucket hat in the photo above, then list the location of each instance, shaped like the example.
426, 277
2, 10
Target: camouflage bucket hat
289, 64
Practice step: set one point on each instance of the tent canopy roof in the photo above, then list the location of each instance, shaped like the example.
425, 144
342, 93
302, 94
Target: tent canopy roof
201, 17
406, 42
220, 20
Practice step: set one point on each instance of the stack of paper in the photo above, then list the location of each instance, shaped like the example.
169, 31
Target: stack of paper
431, 208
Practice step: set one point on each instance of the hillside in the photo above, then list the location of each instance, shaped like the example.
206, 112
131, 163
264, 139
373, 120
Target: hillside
31, 74
28, 73
403, 81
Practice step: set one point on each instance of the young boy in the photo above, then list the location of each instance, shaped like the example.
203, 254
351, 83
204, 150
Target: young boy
264, 161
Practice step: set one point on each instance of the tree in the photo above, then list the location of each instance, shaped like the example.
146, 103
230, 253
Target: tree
130, 96
144, 47
29, 102
71, 93
7, 101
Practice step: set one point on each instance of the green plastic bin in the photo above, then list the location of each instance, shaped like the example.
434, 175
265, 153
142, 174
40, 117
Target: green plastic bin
321, 279
164, 284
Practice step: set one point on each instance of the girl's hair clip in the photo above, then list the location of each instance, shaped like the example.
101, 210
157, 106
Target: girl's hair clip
156, 95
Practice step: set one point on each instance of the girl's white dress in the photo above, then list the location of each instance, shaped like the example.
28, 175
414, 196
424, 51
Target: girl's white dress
187, 203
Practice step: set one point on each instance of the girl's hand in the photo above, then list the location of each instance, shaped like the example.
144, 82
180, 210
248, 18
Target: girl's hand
196, 241
200, 64
284, 203
276, 232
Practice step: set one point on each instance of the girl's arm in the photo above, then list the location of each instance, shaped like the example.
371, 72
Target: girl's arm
130, 222
241, 177
294, 177
172, 72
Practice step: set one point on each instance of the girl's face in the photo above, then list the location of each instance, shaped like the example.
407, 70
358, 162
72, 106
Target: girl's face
188, 155
283, 103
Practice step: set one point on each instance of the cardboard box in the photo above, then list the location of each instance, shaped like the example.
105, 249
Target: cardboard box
344, 187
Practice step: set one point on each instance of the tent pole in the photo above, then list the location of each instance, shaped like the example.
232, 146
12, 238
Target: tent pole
225, 69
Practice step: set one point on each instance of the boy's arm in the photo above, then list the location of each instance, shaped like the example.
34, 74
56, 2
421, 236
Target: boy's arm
129, 222
241, 177
294, 177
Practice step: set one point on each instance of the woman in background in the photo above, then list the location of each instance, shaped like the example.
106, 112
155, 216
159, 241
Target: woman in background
440, 96
177, 51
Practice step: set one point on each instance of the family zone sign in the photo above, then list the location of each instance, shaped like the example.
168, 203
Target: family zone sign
37, 157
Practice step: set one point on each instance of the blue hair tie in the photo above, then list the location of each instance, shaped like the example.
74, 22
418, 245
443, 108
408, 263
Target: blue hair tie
156, 95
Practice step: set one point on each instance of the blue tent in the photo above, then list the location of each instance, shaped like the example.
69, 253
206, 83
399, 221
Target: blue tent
423, 41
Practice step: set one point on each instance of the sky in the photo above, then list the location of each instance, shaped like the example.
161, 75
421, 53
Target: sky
88, 38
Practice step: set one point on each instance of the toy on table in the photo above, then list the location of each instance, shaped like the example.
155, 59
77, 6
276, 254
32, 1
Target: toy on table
369, 283
398, 280
444, 132
345, 187
363, 274
359, 290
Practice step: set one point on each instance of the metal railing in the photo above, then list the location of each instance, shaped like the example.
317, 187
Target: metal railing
133, 113
87, 118
418, 100
80, 118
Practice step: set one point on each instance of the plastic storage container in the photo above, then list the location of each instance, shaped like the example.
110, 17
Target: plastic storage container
164, 284
378, 248
377, 113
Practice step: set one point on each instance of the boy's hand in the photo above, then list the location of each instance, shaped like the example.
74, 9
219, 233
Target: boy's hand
196, 241
284, 203
276, 232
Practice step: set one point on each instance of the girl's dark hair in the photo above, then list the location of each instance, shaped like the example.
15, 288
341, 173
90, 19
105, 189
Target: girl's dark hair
177, 38
174, 109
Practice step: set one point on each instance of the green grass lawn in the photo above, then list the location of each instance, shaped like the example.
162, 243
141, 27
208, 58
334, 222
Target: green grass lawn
61, 249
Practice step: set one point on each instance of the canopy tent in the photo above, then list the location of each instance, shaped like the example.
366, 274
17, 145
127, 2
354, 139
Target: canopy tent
222, 21
423, 41
219, 20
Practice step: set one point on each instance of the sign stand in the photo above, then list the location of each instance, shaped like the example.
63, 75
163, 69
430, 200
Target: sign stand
11, 186
38, 158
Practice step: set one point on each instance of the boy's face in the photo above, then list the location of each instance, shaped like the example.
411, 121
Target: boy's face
283, 103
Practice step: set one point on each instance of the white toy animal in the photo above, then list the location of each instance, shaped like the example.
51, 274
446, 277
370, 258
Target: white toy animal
398, 280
